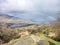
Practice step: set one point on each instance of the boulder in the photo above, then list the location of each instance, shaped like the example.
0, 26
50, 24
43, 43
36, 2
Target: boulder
43, 42
25, 41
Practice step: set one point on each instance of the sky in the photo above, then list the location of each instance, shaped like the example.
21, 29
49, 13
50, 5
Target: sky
35, 10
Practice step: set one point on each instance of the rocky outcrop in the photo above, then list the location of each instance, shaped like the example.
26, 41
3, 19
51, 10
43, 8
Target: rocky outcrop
43, 42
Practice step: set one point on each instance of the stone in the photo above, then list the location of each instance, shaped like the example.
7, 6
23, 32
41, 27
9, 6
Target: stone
43, 42
25, 41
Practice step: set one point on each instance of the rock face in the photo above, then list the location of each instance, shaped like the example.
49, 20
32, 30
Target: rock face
25, 41
32, 40
43, 42
29, 40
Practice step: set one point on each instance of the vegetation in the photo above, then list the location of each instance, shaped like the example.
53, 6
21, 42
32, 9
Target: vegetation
53, 41
8, 33
56, 28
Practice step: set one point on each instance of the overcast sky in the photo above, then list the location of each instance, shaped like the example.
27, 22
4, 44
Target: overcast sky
35, 10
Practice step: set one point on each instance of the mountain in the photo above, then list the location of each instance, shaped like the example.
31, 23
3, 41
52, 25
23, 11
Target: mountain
5, 18
12, 21
5, 15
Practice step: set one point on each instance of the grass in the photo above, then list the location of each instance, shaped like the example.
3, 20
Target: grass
34, 43
49, 39
53, 41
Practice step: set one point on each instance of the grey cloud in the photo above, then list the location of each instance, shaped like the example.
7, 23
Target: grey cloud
41, 10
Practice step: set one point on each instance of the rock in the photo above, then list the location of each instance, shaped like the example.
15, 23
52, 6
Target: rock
25, 41
43, 42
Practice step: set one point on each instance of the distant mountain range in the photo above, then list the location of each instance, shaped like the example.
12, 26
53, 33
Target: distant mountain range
5, 15
5, 18
13, 21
